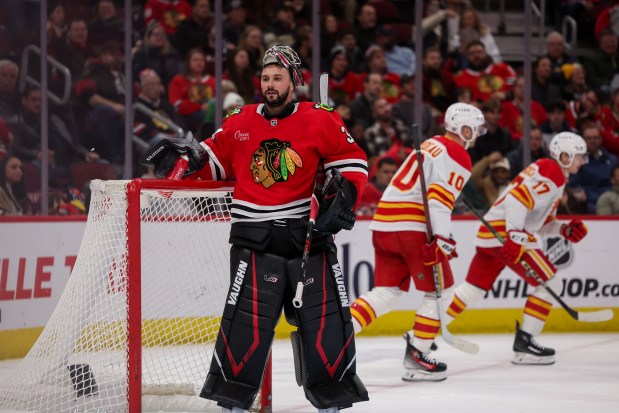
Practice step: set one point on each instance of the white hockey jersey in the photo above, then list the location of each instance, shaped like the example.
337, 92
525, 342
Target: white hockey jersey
446, 167
529, 203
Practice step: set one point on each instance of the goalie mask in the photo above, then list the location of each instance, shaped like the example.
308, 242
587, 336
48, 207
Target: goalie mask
570, 144
466, 121
287, 58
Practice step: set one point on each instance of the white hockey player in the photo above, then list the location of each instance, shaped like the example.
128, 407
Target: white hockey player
399, 237
523, 214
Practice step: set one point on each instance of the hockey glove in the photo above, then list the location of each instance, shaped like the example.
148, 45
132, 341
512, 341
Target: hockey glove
164, 154
337, 201
438, 250
514, 245
574, 231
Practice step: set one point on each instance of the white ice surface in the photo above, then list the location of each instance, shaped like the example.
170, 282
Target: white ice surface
585, 378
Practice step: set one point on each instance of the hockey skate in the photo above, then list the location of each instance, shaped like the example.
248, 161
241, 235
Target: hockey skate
419, 367
527, 351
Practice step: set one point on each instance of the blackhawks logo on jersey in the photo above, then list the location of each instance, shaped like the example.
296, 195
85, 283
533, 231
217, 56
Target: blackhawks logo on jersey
274, 161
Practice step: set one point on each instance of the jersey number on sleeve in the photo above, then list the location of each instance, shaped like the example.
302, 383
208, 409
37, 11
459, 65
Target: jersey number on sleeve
455, 180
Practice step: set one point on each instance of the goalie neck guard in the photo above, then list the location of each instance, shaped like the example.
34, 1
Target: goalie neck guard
287, 58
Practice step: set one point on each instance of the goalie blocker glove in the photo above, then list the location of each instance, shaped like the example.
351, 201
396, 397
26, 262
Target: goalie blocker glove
337, 200
165, 153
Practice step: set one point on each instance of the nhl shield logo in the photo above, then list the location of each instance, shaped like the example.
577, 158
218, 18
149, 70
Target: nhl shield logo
559, 251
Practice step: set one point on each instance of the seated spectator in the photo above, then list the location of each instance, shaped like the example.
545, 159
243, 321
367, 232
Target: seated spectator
355, 55
75, 52
377, 63
608, 202
235, 22
344, 85
328, 38
438, 86
609, 118
193, 32
361, 106
586, 107
607, 19
400, 59
156, 53
603, 64
191, 92
63, 147
239, 71
6, 137
152, 93
9, 99
102, 94
386, 168
560, 61
13, 197
303, 46
106, 26
536, 145
405, 108
56, 26
542, 89
251, 40
282, 27
386, 11
167, 12
576, 83
496, 139
469, 19
365, 26
594, 176
385, 131
490, 175
512, 116
484, 78
556, 121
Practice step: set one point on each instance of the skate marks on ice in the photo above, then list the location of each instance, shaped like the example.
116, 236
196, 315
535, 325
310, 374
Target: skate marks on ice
584, 378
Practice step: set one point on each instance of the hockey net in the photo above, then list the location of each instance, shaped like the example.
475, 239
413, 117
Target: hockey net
136, 324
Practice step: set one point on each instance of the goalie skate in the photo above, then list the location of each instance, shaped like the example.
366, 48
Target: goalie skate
527, 351
419, 367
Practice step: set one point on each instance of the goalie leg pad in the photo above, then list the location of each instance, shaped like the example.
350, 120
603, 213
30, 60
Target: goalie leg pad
252, 310
325, 343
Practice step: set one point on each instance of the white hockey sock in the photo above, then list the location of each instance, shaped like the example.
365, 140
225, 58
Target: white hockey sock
427, 324
372, 305
538, 307
465, 295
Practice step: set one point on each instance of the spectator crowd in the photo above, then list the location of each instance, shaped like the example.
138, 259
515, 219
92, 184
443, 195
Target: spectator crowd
367, 47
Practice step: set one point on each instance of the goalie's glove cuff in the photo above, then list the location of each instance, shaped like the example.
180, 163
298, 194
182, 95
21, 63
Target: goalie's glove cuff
164, 154
336, 205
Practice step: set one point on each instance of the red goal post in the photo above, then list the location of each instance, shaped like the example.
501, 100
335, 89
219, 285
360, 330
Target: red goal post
136, 324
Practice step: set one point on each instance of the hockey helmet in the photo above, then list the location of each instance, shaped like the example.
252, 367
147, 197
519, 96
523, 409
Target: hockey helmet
569, 143
466, 121
287, 58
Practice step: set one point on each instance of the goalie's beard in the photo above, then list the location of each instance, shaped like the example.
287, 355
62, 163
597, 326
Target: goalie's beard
275, 102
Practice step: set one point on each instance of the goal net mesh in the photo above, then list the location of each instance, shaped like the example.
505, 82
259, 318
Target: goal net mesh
80, 361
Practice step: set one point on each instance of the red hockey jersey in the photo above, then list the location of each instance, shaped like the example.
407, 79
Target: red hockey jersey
275, 161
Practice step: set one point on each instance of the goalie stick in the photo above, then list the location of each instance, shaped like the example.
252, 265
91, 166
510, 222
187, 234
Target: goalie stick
588, 316
456, 342
297, 301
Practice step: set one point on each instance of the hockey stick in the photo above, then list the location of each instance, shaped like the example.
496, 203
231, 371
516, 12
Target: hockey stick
588, 316
297, 301
457, 342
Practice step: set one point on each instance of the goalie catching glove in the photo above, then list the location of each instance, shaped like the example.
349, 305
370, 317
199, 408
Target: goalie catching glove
337, 200
165, 153
574, 231
438, 250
